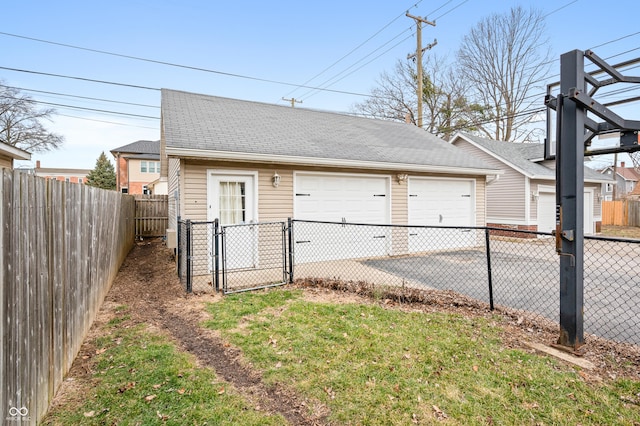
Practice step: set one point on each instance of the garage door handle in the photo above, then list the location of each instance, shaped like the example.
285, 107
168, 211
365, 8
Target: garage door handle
379, 195
303, 241
413, 235
465, 230
303, 195
379, 236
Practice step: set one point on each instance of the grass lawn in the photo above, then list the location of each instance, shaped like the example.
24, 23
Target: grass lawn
375, 366
365, 364
620, 231
141, 378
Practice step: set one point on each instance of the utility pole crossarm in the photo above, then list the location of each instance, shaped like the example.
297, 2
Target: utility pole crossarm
293, 101
423, 20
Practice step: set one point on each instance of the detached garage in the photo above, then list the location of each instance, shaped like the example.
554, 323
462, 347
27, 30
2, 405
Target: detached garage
315, 166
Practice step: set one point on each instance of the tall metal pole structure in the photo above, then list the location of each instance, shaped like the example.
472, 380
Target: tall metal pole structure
570, 200
418, 56
575, 130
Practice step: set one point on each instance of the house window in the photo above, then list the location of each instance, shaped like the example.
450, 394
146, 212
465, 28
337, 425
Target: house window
146, 190
143, 166
152, 167
125, 190
609, 187
67, 180
80, 180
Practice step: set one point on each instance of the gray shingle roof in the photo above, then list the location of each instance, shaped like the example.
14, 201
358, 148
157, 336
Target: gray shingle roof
525, 156
202, 122
140, 147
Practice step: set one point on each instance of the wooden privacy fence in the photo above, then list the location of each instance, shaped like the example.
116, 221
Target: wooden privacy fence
152, 215
621, 213
61, 247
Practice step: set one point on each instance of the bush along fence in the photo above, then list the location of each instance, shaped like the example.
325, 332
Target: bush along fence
61, 247
519, 274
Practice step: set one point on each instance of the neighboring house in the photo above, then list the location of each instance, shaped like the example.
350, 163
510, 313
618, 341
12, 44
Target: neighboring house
242, 162
9, 153
626, 181
66, 175
138, 168
523, 197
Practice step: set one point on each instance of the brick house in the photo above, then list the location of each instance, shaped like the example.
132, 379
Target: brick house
62, 174
137, 167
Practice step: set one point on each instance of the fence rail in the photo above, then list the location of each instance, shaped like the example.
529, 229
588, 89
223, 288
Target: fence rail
519, 272
61, 245
152, 215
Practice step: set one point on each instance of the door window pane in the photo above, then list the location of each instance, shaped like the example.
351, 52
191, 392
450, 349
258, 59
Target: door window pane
232, 203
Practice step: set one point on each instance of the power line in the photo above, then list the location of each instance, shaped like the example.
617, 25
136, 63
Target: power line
329, 81
105, 121
135, 86
96, 110
78, 96
171, 64
355, 48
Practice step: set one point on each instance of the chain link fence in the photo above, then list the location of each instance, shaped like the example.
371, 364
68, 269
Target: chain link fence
518, 272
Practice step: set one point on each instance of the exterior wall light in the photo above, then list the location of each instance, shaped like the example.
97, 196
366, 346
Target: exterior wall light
275, 180
402, 177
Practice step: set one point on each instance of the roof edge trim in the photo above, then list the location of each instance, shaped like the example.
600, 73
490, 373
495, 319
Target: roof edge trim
318, 161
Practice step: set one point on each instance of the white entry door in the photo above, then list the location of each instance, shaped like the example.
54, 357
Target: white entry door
231, 199
441, 202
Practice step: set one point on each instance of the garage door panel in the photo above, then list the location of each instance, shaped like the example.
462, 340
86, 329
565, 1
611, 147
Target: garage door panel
440, 202
547, 212
338, 198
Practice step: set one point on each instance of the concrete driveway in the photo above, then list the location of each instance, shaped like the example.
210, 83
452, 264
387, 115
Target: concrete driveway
525, 276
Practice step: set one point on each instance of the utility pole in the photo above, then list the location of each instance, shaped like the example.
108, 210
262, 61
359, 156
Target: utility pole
418, 56
293, 101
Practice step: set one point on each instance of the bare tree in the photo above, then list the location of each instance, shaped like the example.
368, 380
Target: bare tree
445, 106
21, 122
505, 58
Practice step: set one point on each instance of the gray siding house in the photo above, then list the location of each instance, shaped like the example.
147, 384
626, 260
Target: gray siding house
523, 198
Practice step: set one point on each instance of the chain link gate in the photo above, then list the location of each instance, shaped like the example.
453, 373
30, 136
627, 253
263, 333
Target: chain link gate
254, 256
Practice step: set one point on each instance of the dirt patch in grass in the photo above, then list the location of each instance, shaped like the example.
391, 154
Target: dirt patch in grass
148, 289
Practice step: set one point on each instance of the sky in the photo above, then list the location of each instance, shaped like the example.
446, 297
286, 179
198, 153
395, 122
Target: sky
252, 50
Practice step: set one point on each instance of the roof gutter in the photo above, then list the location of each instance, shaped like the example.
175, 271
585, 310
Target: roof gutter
318, 161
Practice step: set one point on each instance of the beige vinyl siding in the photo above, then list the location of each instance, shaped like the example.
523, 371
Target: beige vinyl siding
194, 197
505, 198
399, 202
172, 190
6, 162
276, 204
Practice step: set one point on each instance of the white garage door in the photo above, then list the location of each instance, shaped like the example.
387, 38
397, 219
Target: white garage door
441, 202
547, 212
345, 199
